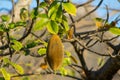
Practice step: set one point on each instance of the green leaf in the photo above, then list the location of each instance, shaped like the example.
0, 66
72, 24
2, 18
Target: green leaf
53, 27
40, 24
26, 52
25, 78
68, 53
66, 26
11, 25
43, 15
18, 68
64, 18
43, 42
70, 8
42, 5
5, 74
59, 14
17, 45
115, 30
99, 19
31, 44
6, 60
2, 78
63, 71
20, 23
71, 72
23, 14
66, 61
2, 27
54, 10
33, 13
42, 51
100, 62
5, 18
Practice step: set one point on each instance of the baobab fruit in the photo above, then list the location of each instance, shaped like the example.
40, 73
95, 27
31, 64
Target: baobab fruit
55, 52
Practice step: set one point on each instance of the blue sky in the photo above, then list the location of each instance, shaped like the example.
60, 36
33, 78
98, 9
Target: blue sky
7, 5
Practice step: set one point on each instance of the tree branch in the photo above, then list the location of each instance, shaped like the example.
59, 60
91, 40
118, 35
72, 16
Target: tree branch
88, 13
109, 69
45, 73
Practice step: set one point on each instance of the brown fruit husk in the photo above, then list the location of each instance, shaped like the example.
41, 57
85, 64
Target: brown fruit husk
55, 52
70, 33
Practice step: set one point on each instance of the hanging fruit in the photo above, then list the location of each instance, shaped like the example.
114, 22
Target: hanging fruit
55, 52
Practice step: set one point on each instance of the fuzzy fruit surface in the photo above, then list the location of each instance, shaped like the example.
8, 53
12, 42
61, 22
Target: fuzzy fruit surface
55, 52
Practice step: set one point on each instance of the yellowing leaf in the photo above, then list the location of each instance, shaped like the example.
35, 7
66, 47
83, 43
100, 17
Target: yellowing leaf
5, 74
43, 65
17, 45
98, 24
42, 51
18, 68
70, 33
6, 60
63, 71
70, 8
66, 61
68, 53
115, 30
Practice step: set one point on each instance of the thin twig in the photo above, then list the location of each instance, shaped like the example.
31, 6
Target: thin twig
90, 49
106, 20
12, 13
73, 22
88, 13
41, 35
80, 56
45, 73
84, 3
9, 44
30, 24
90, 32
106, 40
74, 69
92, 44
77, 66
